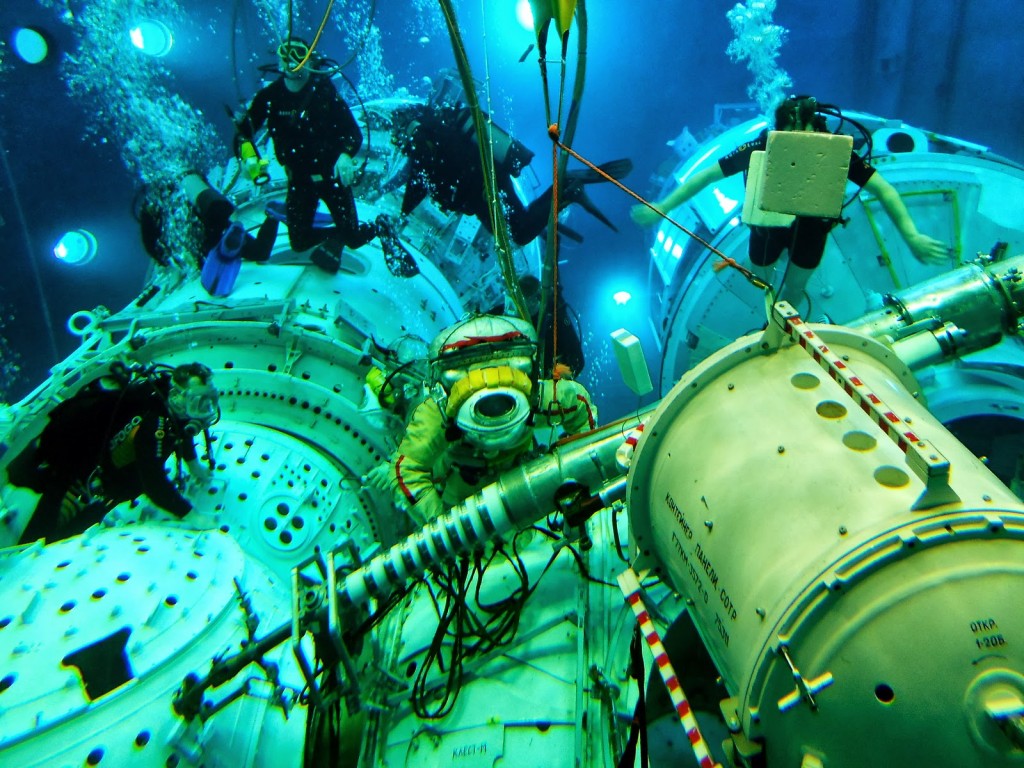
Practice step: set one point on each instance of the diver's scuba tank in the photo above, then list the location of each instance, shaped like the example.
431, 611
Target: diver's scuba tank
510, 154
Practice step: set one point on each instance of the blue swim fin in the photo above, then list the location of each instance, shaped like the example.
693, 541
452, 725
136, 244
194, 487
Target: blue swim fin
220, 270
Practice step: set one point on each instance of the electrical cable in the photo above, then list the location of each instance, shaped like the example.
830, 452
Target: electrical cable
615, 534
584, 571
366, 34
463, 629
316, 38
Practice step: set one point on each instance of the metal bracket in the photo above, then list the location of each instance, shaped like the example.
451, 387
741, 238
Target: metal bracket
805, 689
315, 608
930, 466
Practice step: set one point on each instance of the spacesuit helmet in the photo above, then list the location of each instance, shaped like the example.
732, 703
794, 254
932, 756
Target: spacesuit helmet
193, 399
484, 367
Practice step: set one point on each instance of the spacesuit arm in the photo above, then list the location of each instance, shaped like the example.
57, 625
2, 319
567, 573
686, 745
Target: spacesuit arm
569, 408
924, 248
581, 413
423, 444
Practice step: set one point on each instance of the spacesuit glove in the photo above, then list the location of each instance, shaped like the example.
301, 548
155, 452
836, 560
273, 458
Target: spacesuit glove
118, 517
426, 508
643, 216
345, 169
624, 453
153, 514
381, 477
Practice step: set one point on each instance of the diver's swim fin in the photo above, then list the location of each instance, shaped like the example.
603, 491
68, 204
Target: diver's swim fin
617, 169
569, 233
587, 205
576, 193
220, 270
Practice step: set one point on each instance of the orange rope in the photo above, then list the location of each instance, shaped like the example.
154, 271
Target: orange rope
554, 265
718, 266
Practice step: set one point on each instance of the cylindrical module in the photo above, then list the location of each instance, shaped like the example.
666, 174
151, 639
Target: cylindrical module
854, 571
985, 301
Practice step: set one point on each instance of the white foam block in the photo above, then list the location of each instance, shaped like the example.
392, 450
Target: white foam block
805, 173
753, 213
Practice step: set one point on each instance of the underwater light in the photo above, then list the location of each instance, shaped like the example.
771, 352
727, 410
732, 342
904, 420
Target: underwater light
30, 44
622, 297
76, 247
152, 37
524, 14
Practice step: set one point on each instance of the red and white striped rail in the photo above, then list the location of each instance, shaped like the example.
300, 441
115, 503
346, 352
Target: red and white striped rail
630, 586
931, 467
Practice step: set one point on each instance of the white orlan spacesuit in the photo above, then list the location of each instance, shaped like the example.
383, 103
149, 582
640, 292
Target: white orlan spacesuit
483, 415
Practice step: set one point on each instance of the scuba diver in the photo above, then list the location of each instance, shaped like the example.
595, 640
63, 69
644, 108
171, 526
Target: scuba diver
109, 443
315, 140
485, 414
805, 238
219, 243
440, 143
570, 345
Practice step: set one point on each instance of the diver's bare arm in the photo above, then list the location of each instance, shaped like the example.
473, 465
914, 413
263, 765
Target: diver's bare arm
643, 215
923, 247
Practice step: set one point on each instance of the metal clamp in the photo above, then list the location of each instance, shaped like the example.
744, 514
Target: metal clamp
805, 689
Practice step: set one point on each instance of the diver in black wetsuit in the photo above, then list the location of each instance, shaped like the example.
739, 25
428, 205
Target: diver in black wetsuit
210, 221
315, 138
109, 444
806, 237
444, 163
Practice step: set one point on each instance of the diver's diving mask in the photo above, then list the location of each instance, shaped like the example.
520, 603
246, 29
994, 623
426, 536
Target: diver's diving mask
196, 405
292, 54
